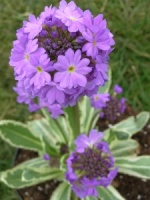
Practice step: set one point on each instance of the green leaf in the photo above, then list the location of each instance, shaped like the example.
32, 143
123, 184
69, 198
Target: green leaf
62, 160
135, 166
35, 175
20, 136
42, 128
107, 85
88, 115
73, 119
132, 125
62, 192
13, 177
109, 193
124, 148
122, 135
58, 127
111, 134
65, 129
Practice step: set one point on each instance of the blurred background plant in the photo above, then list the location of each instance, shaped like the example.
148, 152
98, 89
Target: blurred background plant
129, 22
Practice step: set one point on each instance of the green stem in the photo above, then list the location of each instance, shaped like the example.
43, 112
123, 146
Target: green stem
76, 120
73, 118
45, 113
94, 118
74, 197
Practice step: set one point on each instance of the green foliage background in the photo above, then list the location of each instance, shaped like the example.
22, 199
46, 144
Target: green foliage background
128, 20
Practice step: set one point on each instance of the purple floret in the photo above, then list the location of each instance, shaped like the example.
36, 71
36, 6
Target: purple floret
122, 105
38, 70
101, 70
85, 187
98, 101
46, 157
52, 94
21, 54
95, 42
90, 165
71, 70
33, 27
55, 110
71, 16
118, 89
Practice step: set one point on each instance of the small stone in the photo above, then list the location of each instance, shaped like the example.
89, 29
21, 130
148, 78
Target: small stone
115, 183
121, 177
40, 188
145, 145
26, 193
148, 126
139, 197
110, 125
47, 186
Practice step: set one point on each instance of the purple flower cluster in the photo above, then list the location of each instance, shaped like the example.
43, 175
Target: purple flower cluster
110, 105
90, 165
114, 108
60, 56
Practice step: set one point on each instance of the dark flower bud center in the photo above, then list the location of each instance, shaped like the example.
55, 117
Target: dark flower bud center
92, 163
112, 109
56, 40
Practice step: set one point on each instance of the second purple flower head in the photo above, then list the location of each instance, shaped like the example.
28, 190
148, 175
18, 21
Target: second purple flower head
90, 165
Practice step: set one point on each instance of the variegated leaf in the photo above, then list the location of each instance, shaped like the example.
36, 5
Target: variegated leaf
132, 125
13, 177
88, 116
109, 193
41, 127
58, 127
124, 148
20, 136
35, 175
135, 166
62, 192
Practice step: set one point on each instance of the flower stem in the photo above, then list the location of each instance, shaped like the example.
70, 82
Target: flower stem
76, 122
93, 121
74, 197
74, 119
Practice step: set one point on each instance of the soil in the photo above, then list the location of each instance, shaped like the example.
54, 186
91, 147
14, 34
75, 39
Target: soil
130, 187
